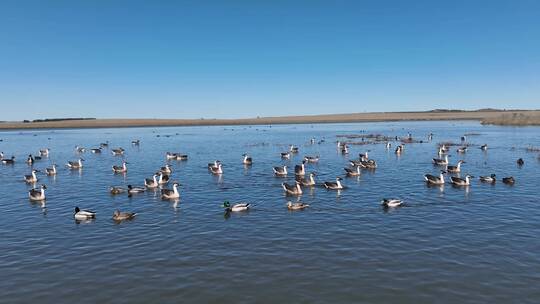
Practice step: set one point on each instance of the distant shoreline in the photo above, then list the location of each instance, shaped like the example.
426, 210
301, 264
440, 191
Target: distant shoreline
485, 116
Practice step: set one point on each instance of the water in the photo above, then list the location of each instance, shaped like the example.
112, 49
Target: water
449, 245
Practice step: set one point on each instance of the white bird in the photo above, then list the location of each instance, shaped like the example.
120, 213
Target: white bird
391, 203
488, 179
285, 155
312, 159
441, 161
44, 152
167, 169
132, 190
300, 170
217, 170
84, 214
119, 151
308, 182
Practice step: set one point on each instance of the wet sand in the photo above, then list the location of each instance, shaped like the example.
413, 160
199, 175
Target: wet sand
487, 116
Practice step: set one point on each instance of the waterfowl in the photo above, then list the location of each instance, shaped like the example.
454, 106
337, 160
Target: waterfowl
95, 150
458, 181
334, 185
461, 150
388, 145
176, 156
79, 149
163, 178
293, 149
8, 161
285, 155
399, 149
84, 214
280, 171
119, 151
214, 164
369, 164
356, 163
135, 142
520, 162
75, 164
104, 145
484, 147
463, 138
123, 216
488, 179
292, 189
355, 171
296, 206
441, 161
116, 190
32, 178
455, 169
247, 159
363, 157
435, 180
167, 169
30, 160
312, 159
132, 190
391, 203
509, 180
444, 149
51, 170
239, 207
151, 182
217, 170
1, 155
344, 149
37, 194
300, 170
170, 193
308, 182
120, 169
44, 152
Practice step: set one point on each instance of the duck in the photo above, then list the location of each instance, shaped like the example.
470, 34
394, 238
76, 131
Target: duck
369, 164
296, 206
441, 161
355, 171
79, 149
293, 149
399, 149
300, 170
520, 162
435, 180
285, 155
32, 178
171, 193
509, 180
37, 194
217, 170
173, 156
51, 171
30, 160
44, 152
214, 164
444, 149
292, 189
120, 169
455, 169
167, 169
239, 207
132, 190
136, 142
84, 214
458, 181
388, 145
364, 156
484, 147
247, 159
119, 151
1, 155
104, 145
75, 164
356, 163
95, 150
334, 185
280, 171
391, 203
8, 161
461, 150
308, 182
116, 190
345, 149
123, 216
311, 159
488, 179
151, 182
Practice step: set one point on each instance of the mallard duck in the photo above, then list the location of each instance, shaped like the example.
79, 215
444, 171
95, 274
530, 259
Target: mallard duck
509, 180
116, 190
171, 193
120, 169
296, 206
37, 194
30, 160
292, 189
123, 216
435, 180
488, 179
239, 207
458, 181
391, 203
334, 185
84, 214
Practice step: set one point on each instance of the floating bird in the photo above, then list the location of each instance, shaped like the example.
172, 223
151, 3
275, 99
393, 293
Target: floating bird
369, 164
44, 152
455, 169
363, 157
217, 170
30, 160
8, 161
308, 182
239, 207
84, 214
280, 171
293, 149
151, 182
296, 206
79, 149
95, 150
345, 149
399, 149
300, 170
163, 178
488, 179
458, 181
104, 145
32, 178
135, 142
441, 161
75, 164
355, 171
37, 194
120, 169
1, 155
334, 185
247, 159
312, 159
388, 145
214, 164
509, 180
285, 155
391, 203
520, 162
119, 151
51, 171
132, 190
167, 169
292, 189
176, 156
461, 150
116, 190
171, 193
484, 147
435, 180
123, 216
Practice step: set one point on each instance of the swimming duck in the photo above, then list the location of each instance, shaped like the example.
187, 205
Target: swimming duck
120, 169
455, 169
355, 171
30, 160
119, 151
441, 161
79, 149
136, 142
391, 203
356, 163
239, 207
509, 180
95, 150
399, 149
285, 155
104, 145
461, 150
75, 164
32, 178
300, 170
51, 171
217, 170
167, 169
8, 161
369, 164
334, 185
458, 181
44, 152
176, 156
435, 180
296, 206
308, 182
345, 149
123, 216
292, 189
520, 162
151, 182
311, 159
84, 214
293, 149
170, 193
132, 190
214, 164
388, 145
247, 159
37, 194
488, 179
484, 147
116, 190
1, 155
363, 157
280, 171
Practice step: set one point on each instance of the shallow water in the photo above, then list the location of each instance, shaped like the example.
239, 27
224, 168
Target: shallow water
446, 245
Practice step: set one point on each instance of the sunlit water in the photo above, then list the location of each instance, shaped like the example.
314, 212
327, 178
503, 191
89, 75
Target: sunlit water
446, 245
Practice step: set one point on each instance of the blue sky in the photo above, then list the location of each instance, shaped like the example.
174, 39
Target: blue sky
191, 59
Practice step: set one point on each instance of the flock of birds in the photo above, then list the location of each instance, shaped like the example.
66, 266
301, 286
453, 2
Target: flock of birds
303, 179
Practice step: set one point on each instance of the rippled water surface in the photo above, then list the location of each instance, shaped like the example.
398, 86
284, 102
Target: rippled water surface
446, 245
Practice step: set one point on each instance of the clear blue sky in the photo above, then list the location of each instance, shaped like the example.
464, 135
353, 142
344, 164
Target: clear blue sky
191, 59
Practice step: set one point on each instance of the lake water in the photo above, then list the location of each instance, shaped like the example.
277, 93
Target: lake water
446, 245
